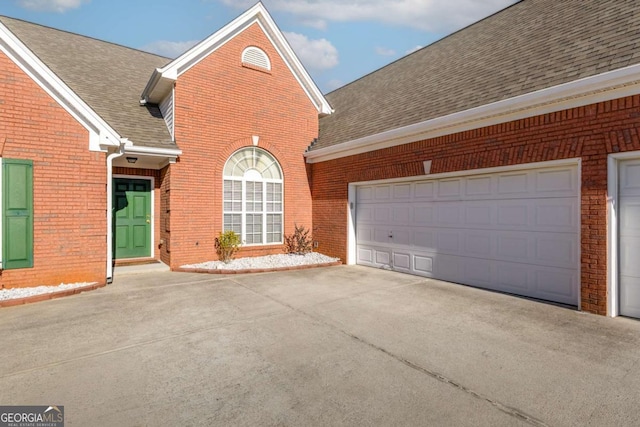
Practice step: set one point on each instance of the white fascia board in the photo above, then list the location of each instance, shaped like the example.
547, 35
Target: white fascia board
590, 90
152, 151
163, 77
101, 135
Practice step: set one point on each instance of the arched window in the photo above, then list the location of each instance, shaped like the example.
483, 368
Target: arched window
253, 196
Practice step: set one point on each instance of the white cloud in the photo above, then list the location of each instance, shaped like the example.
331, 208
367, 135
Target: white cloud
413, 49
428, 15
315, 54
383, 51
168, 48
51, 5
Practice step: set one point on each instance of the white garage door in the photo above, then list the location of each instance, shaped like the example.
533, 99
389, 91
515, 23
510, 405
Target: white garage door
629, 213
516, 232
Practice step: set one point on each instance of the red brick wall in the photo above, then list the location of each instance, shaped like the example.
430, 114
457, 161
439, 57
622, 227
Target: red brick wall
589, 132
69, 184
219, 106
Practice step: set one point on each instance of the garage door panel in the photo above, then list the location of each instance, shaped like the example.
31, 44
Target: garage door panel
630, 296
555, 285
364, 194
513, 246
382, 192
479, 244
402, 191
513, 214
556, 249
629, 255
449, 214
423, 264
513, 184
449, 189
505, 231
424, 191
630, 220
479, 214
424, 239
402, 214
402, 261
557, 214
479, 187
512, 277
630, 178
365, 255
557, 182
448, 242
423, 214
629, 237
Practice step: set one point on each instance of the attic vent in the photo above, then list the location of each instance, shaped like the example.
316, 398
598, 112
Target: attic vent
256, 57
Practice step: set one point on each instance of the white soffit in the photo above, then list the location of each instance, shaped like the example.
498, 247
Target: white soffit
163, 78
101, 135
602, 87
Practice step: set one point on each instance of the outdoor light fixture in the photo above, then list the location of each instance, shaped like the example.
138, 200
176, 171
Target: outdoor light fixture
132, 159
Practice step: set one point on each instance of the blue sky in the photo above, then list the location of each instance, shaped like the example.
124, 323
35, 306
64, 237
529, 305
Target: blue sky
338, 41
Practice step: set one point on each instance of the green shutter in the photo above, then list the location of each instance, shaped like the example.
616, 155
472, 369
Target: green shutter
17, 213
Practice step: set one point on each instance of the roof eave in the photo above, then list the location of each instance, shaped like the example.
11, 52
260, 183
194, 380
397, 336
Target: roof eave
589, 90
101, 135
162, 78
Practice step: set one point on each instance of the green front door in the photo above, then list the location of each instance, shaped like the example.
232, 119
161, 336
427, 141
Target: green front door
132, 218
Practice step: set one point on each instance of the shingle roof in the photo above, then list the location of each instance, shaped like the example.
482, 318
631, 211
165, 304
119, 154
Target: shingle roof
108, 77
529, 46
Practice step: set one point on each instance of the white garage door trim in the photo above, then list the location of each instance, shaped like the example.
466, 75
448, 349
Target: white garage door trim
613, 232
352, 253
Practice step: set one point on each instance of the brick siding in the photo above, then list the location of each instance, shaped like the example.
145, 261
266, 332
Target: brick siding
219, 105
69, 184
590, 133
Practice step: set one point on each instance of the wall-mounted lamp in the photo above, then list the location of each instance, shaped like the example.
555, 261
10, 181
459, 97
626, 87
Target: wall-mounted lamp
132, 159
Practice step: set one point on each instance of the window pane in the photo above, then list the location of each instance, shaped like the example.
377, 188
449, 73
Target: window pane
274, 228
253, 229
233, 222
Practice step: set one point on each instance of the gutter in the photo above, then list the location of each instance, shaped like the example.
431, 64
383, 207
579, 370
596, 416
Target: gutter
589, 90
110, 158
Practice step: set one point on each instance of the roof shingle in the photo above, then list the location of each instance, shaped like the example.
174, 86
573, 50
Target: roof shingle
532, 45
108, 77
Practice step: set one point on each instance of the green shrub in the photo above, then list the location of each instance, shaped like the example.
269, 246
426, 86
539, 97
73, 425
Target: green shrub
227, 244
299, 242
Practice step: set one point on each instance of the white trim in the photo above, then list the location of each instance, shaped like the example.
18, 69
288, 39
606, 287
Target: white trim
352, 199
152, 151
161, 78
153, 210
590, 90
613, 230
101, 135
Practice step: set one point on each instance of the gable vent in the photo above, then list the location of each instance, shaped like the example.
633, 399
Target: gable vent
256, 57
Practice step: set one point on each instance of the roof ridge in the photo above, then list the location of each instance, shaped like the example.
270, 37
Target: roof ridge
83, 36
441, 39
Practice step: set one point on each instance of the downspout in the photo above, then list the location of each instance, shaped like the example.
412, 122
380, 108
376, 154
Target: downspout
110, 159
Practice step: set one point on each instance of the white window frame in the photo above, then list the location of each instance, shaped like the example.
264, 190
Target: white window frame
264, 212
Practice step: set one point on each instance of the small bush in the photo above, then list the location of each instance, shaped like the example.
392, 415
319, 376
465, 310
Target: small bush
227, 244
299, 242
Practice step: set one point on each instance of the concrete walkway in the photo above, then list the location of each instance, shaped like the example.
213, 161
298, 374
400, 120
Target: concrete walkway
331, 346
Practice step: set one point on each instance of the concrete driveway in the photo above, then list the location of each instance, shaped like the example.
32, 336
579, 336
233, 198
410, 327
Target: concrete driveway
330, 346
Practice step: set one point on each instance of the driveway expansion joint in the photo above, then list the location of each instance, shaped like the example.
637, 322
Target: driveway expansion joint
514, 412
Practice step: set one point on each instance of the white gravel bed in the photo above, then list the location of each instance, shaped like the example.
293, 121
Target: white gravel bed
14, 293
269, 261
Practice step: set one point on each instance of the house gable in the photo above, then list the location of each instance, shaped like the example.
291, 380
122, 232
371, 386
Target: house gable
101, 135
161, 82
